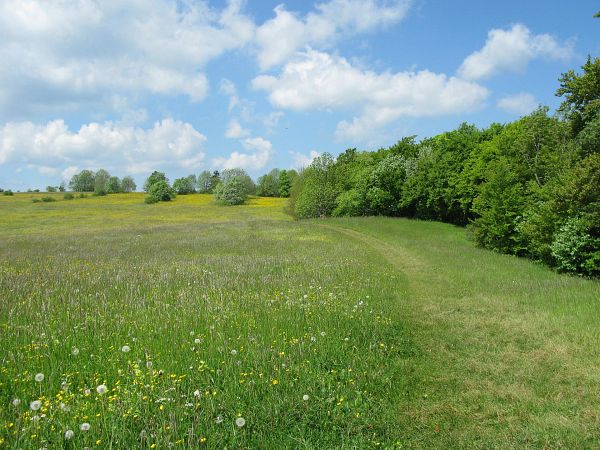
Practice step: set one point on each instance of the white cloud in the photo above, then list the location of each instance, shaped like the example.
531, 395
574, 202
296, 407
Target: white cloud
280, 37
235, 130
317, 80
59, 55
510, 51
53, 147
260, 153
300, 160
522, 103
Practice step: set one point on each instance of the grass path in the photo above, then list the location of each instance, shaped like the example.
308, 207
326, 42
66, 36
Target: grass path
508, 353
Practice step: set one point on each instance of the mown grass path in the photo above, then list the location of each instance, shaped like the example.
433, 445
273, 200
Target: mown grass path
508, 351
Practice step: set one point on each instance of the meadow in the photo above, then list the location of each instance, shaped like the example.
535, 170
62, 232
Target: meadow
186, 325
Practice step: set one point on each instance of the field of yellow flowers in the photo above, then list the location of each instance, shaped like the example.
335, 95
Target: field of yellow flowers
189, 325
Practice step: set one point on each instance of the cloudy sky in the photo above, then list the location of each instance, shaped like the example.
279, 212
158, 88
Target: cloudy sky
187, 85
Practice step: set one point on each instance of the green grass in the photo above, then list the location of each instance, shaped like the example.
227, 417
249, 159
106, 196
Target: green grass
401, 333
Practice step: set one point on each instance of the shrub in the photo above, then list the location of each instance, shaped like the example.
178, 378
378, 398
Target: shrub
159, 191
8, 192
576, 247
48, 199
82, 195
232, 192
68, 196
36, 200
99, 192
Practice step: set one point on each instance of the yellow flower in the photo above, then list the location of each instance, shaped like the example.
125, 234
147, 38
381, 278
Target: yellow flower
275, 381
202, 440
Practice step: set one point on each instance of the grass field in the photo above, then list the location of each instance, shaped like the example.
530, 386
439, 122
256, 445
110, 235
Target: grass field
165, 325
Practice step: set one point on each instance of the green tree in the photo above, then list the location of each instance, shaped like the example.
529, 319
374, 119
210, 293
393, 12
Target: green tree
229, 174
204, 182
231, 192
113, 185
101, 182
285, 184
185, 185
83, 181
315, 190
128, 184
155, 177
268, 184
160, 191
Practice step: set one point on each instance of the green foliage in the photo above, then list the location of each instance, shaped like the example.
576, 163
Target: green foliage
232, 192
68, 196
155, 177
48, 199
285, 184
113, 185
83, 181
8, 192
268, 185
51, 188
185, 185
240, 174
159, 191
315, 189
576, 246
128, 184
205, 182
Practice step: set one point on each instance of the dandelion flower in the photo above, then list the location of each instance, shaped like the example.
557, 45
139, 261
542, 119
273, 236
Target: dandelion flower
39, 377
16, 402
69, 434
74, 351
35, 405
305, 397
125, 349
85, 426
240, 422
101, 389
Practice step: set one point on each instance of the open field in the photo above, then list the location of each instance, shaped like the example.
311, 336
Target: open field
338, 333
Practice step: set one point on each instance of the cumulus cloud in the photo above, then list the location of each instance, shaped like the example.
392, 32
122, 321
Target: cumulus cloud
53, 147
300, 160
522, 103
510, 51
280, 37
235, 130
59, 55
317, 80
260, 152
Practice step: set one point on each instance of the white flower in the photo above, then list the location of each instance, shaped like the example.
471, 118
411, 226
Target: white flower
87, 391
101, 389
74, 352
35, 405
125, 349
219, 419
234, 352
197, 393
322, 333
148, 364
16, 402
305, 397
85, 426
69, 434
240, 422
39, 377
197, 341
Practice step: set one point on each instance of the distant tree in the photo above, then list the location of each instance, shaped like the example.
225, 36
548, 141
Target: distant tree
113, 185
83, 181
285, 184
229, 174
101, 181
8, 192
193, 180
268, 184
155, 177
232, 192
215, 180
127, 184
51, 188
160, 191
62, 188
315, 190
184, 185
204, 182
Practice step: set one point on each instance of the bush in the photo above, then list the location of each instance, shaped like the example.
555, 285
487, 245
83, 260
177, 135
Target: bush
232, 192
48, 199
159, 191
8, 192
82, 195
99, 192
36, 200
68, 196
576, 247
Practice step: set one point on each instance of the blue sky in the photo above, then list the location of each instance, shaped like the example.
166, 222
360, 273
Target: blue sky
184, 86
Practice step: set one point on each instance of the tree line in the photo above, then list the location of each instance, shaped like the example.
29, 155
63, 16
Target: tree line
527, 188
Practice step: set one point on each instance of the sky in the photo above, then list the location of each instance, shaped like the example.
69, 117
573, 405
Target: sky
183, 86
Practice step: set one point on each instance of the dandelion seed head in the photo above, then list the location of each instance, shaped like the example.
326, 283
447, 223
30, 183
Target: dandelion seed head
69, 434
197, 393
35, 405
240, 422
101, 389
39, 377
16, 402
234, 352
85, 426
197, 341
305, 397
219, 419
87, 391
125, 349
74, 351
